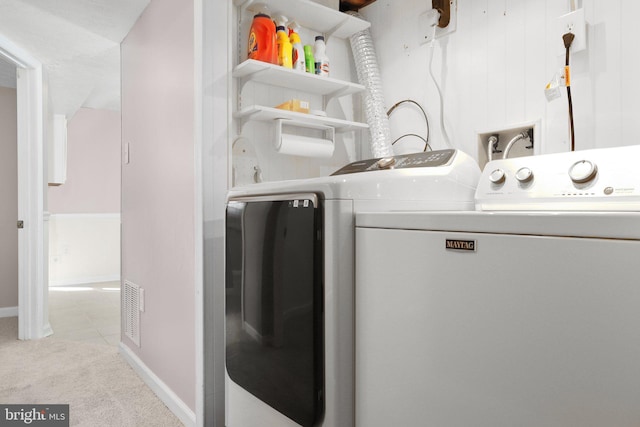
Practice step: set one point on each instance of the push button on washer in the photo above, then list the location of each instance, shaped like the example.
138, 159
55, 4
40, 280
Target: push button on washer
524, 175
583, 171
386, 162
497, 176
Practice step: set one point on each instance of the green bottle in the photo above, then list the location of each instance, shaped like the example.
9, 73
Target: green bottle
310, 63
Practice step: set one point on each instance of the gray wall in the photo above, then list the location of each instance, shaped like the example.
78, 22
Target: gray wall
8, 199
158, 189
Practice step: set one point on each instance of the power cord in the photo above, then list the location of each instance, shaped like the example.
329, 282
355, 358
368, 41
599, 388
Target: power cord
434, 25
568, 39
426, 119
426, 144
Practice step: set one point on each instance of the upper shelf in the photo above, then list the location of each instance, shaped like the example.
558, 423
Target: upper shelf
311, 15
263, 72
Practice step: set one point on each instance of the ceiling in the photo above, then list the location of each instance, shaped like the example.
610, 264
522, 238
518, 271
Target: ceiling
78, 43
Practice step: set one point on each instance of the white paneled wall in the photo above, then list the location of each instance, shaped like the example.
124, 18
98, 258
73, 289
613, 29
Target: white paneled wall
256, 147
494, 67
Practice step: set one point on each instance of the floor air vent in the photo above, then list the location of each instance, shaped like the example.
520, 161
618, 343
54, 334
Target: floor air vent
131, 304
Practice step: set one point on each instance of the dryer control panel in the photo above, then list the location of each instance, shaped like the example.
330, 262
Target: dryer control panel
605, 179
428, 159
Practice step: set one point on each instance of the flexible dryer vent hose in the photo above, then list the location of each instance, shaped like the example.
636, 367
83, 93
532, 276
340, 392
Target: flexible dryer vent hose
364, 55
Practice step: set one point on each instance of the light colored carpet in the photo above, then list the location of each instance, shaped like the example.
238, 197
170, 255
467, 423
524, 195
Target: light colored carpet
100, 387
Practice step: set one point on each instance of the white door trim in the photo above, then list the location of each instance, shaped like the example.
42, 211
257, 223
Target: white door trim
33, 319
198, 43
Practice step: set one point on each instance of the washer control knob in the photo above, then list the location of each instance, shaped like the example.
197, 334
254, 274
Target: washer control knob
386, 162
583, 171
524, 175
497, 176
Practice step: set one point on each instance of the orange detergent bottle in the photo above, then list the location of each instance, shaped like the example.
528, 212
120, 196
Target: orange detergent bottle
262, 39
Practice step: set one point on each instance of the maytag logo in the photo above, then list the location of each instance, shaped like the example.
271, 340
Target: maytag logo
461, 245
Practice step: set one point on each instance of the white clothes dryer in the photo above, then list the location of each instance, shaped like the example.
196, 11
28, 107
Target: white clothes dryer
524, 313
290, 282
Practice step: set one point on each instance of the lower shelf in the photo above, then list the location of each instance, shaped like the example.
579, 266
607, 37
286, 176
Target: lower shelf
261, 113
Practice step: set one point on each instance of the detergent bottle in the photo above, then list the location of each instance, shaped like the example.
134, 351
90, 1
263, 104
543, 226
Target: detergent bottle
262, 39
285, 49
320, 56
298, 57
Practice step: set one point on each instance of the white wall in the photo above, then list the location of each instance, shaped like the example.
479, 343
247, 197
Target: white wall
493, 70
494, 67
217, 30
256, 148
84, 248
8, 199
158, 189
93, 165
84, 229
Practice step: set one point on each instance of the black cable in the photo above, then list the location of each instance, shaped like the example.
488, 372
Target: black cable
568, 39
426, 144
426, 119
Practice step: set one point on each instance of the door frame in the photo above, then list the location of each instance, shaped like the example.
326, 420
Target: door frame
33, 316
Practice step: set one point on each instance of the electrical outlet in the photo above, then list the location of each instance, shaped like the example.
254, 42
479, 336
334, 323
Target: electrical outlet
426, 30
575, 23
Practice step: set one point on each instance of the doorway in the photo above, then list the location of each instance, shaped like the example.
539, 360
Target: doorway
84, 229
8, 193
32, 293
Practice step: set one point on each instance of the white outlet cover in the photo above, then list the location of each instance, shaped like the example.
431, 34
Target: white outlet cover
426, 31
126, 153
575, 23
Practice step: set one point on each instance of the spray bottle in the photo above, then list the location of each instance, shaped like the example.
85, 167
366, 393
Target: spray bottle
298, 57
284, 44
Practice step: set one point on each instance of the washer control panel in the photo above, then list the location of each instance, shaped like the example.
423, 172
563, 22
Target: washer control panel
428, 159
605, 179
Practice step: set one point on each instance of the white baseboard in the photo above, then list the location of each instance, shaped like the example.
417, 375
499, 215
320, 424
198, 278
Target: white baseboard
9, 312
74, 281
173, 402
47, 330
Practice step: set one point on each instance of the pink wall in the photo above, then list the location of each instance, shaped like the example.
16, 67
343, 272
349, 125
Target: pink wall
93, 165
8, 199
158, 188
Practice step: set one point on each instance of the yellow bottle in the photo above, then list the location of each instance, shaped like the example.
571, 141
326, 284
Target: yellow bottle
284, 48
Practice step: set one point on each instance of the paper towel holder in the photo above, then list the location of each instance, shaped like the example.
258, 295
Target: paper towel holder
328, 131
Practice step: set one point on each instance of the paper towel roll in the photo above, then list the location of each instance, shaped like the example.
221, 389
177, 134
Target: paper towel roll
297, 145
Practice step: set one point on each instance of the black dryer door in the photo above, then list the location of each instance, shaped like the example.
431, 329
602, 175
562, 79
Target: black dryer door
274, 296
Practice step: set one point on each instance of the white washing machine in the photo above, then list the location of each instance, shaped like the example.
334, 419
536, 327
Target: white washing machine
525, 313
290, 278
